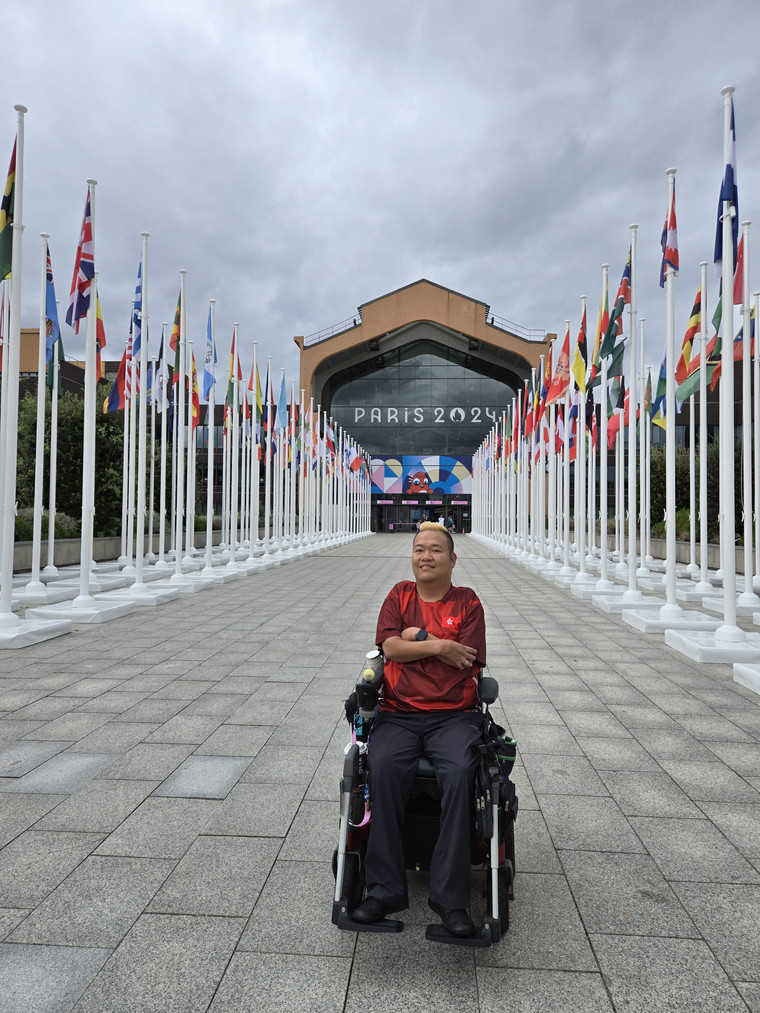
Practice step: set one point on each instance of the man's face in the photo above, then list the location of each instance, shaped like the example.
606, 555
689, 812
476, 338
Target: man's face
432, 561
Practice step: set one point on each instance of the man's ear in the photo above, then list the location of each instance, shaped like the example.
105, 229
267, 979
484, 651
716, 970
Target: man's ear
453, 558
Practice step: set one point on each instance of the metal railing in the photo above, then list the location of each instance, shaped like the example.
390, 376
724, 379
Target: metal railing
329, 332
529, 333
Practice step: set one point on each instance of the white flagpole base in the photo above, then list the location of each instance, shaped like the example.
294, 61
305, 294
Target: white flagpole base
748, 676
47, 596
717, 604
142, 596
709, 648
50, 571
28, 632
615, 603
648, 621
218, 575
84, 609
96, 585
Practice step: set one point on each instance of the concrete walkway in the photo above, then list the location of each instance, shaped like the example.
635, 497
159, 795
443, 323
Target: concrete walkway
168, 810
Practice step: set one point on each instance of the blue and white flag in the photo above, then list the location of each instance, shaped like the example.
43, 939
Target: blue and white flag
728, 192
208, 369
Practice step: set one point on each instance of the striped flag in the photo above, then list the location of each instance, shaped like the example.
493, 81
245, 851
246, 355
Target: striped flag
209, 380
52, 327
622, 299
84, 273
6, 219
669, 240
682, 369
728, 192
580, 357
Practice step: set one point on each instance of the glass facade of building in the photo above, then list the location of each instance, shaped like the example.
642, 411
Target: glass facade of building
423, 398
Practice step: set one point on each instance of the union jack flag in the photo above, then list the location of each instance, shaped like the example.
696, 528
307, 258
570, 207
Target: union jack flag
84, 273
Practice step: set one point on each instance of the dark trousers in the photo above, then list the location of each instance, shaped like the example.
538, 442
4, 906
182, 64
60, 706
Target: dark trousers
396, 743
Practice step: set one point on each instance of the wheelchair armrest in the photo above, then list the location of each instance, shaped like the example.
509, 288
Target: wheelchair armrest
488, 689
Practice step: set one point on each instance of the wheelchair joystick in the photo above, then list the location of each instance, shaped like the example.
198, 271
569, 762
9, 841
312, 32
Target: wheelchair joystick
366, 691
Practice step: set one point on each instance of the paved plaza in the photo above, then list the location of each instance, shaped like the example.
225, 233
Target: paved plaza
169, 809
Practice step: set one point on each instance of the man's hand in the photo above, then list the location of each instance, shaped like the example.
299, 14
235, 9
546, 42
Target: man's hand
457, 655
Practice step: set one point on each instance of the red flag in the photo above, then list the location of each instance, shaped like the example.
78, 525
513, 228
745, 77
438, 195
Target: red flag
561, 379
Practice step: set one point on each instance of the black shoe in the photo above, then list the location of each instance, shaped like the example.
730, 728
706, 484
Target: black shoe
455, 921
372, 910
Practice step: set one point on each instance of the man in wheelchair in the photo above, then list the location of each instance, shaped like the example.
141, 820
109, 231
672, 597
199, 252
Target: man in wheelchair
433, 637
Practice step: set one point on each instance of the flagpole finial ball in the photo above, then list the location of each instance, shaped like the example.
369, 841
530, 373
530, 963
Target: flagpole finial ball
671, 172
92, 182
728, 90
634, 226
21, 109
145, 235
605, 267
746, 225
44, 235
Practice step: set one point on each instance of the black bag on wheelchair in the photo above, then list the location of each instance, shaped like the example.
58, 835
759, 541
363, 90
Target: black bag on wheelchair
500, 750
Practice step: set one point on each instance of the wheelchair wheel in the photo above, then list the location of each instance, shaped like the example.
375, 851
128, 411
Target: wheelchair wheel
504, 885
353, 878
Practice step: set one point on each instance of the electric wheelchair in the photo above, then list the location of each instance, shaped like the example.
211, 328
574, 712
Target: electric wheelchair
492, 834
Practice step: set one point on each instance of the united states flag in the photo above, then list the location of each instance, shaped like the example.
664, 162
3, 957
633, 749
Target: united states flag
84, 273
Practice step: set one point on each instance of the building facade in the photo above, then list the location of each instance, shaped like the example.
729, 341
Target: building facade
418, 378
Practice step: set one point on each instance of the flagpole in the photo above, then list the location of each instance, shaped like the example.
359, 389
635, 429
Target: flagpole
643, 570
9, 623
728, 632
190, 477
35, 585
671, 609
150, 555
748, 596
51, 569
161, 563
580, 481
756, 364
139, 586
178, 577
209, 568
703, 584
131, 366
566, 570
84, 599
604, 583
632, 594
267, 556
234, 453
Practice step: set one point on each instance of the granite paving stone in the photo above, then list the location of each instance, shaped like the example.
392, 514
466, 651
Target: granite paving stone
62, 774
726, 915
562, 775
740, 823
540, 991
624, 895
171, 963
181, 729
35, 862
148, 760
160, 828
693, 851
46, 979
97, 903
218, 876
271, 983
10, 918
102, 805
19, 812
235, 740
256, 810
588, 823
648, 793
662, 975
204, 777
24, 755
711, 782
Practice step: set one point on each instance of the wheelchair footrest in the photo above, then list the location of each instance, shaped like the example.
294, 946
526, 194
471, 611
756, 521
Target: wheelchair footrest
436, 933
346, 922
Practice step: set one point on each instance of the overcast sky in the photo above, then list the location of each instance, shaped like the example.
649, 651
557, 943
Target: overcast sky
301, 157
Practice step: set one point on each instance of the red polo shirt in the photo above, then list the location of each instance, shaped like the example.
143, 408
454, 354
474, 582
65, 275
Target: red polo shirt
429, 684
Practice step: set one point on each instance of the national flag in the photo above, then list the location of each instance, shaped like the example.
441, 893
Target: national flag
281, 412
84, 273
235, 372
195, 401
602, 321
693, 328
160, 381
330, 437
127, 385
137, 317
659, 397
100, 337
561, 379
545, 383
210, 361
52, 327
117, 398
730, 193
622, 299
739, 273
174, 337
669, 241
580, 358
6, 219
